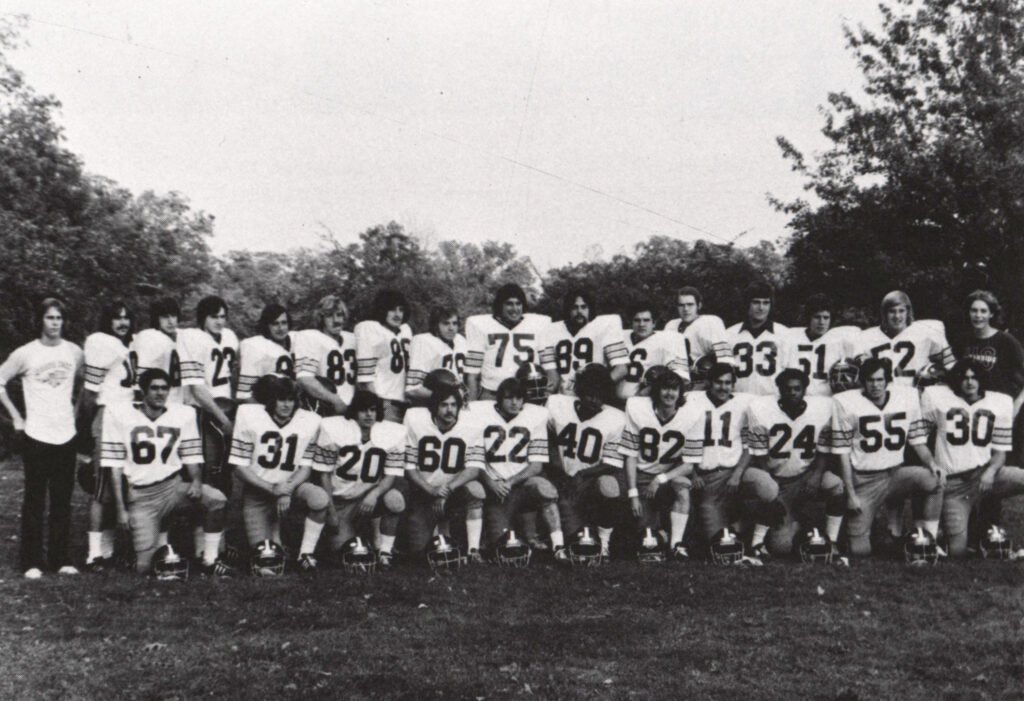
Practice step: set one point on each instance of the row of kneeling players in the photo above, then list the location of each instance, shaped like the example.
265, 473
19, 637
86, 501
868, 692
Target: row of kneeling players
766, 476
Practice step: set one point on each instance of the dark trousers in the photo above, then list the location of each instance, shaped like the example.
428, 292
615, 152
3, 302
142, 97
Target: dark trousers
50, 468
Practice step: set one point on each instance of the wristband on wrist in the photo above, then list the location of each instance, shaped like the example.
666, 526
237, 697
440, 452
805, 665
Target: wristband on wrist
633, 493
661, 479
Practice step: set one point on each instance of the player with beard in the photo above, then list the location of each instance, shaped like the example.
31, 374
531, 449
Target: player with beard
789, 438
109, 379
327, 350
499, 342
582, 338
382, 352
269, 352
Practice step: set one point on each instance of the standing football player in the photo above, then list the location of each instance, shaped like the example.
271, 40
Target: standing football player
498, 343
909, 346
444, 457
647, 348
755, 342
662, 441
973, 428
149, 443
209, 366
268, 353
582, 338
50, 369
272, 451
703, 334
725, 476
442, 347
584, 435
109, 379
870, 429
789, 438
363, 456
515, 451
816, 347
327, 350
382, 352
156, 348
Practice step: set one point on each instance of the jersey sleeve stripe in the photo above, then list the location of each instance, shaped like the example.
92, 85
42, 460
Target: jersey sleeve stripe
474, 362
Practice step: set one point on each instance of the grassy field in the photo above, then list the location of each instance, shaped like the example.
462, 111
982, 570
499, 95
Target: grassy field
878, 630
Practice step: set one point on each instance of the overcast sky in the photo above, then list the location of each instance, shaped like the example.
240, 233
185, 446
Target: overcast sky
570, 128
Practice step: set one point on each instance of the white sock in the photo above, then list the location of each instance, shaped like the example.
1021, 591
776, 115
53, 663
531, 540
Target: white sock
605, 536
387, 543
832, 526
211, 541
199, 542
473, 528
557, 539
95, 545
161, 539
678, 524
894, 519
310, 536
107, 542
930, 526
760, 531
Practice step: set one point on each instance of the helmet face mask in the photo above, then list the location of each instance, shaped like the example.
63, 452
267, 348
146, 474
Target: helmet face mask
534, 382
169, 566
584, 549
726, 548
815, 548
512, 552
919, 548
701, 369
843, 376
357, 557
268, 559
931, 374
443, 555
995, 544
443, 377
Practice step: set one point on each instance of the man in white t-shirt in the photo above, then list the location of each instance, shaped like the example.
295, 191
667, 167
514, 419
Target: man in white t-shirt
49, 368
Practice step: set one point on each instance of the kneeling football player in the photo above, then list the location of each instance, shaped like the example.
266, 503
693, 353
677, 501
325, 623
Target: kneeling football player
662, 441
272, 451
362, 457
586, 466
443, 460
148, 444
516, 449
788, 438
973, 435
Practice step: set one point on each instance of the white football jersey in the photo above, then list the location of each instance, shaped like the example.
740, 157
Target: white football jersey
510, 445
790, 444
261, 356
495, 351
597, 341
725, 427
429, 352
966, 434
910, 351
317, 354
584, 444
357, 466
150, 451
383, 357
207, 360
705, 335
660, 348
659, 447
109, 369
873, 436
440, 455
817, 357
272, 451
757, 357
156, 350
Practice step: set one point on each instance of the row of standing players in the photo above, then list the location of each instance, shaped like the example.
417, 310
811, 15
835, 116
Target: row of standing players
378, 356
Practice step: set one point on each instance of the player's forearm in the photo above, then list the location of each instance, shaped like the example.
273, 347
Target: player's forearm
195, 472
741, 466
206, 402
997, 460
417, 392
302, 474
249, 477
473, 385
311, 386
631, 472
116, 484
927, 459
12, 410
618, 372
465, 477
592, 471
86, 407
532, 469
846, 472
554, 381
417, 478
